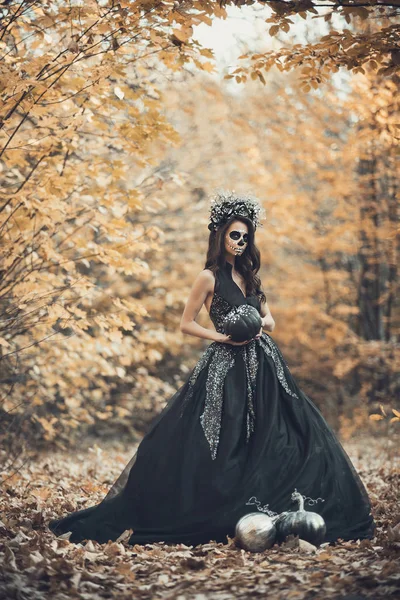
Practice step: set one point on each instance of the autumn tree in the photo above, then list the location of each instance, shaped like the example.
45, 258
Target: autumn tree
80, 115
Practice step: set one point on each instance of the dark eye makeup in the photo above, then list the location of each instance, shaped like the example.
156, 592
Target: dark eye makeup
236, 235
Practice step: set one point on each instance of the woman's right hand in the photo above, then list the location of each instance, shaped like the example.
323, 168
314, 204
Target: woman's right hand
226, 339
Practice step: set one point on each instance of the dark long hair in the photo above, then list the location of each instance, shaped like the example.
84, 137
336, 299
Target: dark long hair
248, 264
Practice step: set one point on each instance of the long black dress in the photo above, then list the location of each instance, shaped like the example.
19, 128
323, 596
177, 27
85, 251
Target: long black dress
239, 428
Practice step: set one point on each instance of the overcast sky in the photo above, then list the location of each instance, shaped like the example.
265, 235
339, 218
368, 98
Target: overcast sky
245, 29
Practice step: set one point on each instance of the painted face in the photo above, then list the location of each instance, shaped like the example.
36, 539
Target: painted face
236, 238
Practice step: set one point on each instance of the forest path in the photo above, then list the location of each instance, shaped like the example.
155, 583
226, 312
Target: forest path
38, 565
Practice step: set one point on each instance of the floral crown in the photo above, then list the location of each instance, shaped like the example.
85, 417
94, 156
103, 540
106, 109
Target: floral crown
225, 204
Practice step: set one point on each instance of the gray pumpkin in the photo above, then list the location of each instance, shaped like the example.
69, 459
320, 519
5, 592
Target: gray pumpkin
309, 526
255, 532
242, 323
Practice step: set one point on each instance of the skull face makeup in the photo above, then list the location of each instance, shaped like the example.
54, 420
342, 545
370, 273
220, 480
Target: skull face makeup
236, 238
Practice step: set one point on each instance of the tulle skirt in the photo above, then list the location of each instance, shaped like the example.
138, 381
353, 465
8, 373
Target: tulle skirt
172, 490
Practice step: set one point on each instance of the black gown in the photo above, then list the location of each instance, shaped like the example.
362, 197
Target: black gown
238, 432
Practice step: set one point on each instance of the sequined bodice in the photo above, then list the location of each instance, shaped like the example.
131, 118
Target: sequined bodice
227, 294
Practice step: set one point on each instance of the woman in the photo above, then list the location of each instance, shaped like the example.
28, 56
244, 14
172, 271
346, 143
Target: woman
238, 430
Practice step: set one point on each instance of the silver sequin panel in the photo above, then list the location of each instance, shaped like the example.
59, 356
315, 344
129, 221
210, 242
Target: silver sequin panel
221, 362
251, 362
221, 358
271, 349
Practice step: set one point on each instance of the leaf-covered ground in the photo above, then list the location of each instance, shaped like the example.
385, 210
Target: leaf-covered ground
36, 564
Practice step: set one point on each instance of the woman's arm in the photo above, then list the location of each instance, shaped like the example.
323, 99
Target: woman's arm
202, 286
268, 322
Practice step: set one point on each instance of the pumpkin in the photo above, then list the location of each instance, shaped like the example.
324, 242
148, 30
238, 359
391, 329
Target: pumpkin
309, 526
255, 532
242, 323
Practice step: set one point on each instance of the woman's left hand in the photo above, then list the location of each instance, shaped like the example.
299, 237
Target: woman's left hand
259, 334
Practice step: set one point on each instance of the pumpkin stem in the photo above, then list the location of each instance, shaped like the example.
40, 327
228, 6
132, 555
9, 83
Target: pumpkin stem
299, 498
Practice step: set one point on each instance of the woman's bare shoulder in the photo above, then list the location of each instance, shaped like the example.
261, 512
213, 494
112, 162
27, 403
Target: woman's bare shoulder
208, 273
206, 278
